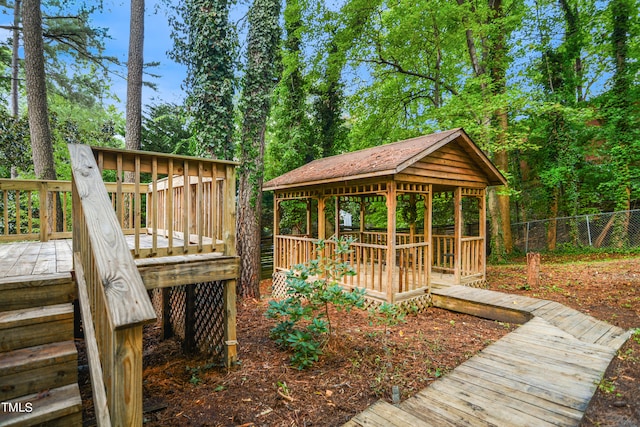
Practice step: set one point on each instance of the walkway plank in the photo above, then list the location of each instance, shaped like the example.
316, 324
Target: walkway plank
382, 413
542, 397
518, 406
543, 373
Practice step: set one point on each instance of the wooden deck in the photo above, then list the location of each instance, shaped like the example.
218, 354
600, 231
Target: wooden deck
39, 262
542, 374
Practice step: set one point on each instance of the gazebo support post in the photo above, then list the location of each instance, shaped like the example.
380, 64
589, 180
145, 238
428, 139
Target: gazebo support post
391, 240
483, 231
412, 224
276, 231
457, 234
428, 218
362, 217
322, 224
337, 217
309, 229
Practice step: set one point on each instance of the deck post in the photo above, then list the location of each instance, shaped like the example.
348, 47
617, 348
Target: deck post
457, 234
167, 329
44, 214
189, 344
229, 236
391, 240
230, 341
126, 379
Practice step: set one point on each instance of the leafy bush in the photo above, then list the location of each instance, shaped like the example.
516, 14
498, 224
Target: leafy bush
304, 323
387, 315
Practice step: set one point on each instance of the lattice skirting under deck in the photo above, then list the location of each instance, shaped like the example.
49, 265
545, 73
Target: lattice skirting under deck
205, 322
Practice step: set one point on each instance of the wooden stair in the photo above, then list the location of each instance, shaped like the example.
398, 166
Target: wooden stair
544, 373
38, 357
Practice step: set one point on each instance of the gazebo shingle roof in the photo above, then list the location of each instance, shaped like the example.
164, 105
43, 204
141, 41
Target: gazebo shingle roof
385, 159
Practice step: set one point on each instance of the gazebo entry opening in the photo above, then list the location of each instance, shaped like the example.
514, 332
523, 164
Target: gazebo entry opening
415, 210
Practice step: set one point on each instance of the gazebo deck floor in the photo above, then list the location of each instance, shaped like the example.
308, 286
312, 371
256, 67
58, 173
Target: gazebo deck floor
544, 373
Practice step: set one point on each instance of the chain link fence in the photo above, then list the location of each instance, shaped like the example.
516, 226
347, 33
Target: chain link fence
613, 230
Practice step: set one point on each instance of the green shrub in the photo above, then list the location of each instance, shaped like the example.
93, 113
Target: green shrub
304, 323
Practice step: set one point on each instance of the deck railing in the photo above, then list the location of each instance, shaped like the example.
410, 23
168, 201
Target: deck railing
114, 301
156, 212
178, 221
34, 210
369, 263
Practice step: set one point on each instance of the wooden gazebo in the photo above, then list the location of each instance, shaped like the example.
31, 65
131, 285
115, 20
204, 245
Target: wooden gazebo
402, 186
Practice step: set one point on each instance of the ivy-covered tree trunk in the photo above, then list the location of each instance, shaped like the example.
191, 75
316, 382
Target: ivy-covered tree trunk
292, 141
493, 61
207, 44
257, 90
623, 142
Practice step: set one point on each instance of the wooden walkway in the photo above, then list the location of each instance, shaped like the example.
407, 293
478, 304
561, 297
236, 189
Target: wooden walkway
542, 374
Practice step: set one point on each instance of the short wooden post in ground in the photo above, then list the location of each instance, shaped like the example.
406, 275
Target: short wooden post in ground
533, 268
189, 344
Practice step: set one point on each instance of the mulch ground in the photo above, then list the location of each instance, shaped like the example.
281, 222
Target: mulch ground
363, 363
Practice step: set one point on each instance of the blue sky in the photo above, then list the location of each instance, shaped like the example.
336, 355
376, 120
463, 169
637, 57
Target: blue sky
157, 42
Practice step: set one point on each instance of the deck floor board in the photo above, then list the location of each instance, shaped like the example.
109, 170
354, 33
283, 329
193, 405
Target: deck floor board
54, 256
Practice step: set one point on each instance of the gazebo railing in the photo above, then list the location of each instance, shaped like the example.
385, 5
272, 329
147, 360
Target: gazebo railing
414, 262
369, 262
471, 263
413, 266
444, 253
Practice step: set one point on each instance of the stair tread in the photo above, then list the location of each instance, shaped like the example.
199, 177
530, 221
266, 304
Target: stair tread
36, 356
45, 406
23, 292
21, 282
29, 316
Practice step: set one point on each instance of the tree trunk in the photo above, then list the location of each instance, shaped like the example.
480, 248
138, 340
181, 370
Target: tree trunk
134, 76
497, 56
14, 61
493, 62
533, 269
41, 146
258, 85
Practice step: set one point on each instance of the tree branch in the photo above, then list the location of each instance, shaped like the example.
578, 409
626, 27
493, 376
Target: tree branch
400, 69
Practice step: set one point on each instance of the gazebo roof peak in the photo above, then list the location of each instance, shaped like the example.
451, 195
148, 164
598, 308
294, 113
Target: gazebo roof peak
388, 159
